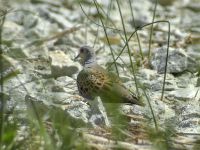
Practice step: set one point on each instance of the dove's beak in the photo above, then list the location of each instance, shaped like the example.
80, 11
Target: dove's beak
76, 58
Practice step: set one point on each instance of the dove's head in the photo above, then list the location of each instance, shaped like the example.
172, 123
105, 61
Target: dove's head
86, 55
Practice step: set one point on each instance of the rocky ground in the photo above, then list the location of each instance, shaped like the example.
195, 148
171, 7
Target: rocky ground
41, 38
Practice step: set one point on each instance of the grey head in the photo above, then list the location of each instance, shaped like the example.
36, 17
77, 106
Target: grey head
87, 56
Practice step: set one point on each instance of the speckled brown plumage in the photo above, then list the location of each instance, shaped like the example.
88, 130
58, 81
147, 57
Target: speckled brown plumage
94, 81
91, 81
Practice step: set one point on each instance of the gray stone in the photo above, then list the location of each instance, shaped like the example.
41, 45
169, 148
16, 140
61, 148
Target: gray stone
98, 115
154, 81
93, 114
193, 50
148, 74
62, 65
24, 89
9, 65
36, 52
183, 82
188, 117
60, 20
76, 112
65, 84
72, 104
16, 17
141, 17
194, 6
132, 109
184, 94
11, 33
161, 110
139, 22
157, 85
30, 21
178, 60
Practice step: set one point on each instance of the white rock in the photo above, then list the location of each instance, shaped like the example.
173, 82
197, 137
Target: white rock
178, 60
62, 65
190, 93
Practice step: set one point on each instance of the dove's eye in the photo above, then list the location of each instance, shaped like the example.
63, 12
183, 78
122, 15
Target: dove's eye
81, 50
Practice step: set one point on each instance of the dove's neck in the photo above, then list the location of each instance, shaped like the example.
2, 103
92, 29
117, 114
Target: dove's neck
90, 61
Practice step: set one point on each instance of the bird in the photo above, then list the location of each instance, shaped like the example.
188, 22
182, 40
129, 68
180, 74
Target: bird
93, 80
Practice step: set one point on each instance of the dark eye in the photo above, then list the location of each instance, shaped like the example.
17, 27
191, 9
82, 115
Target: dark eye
81, 50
